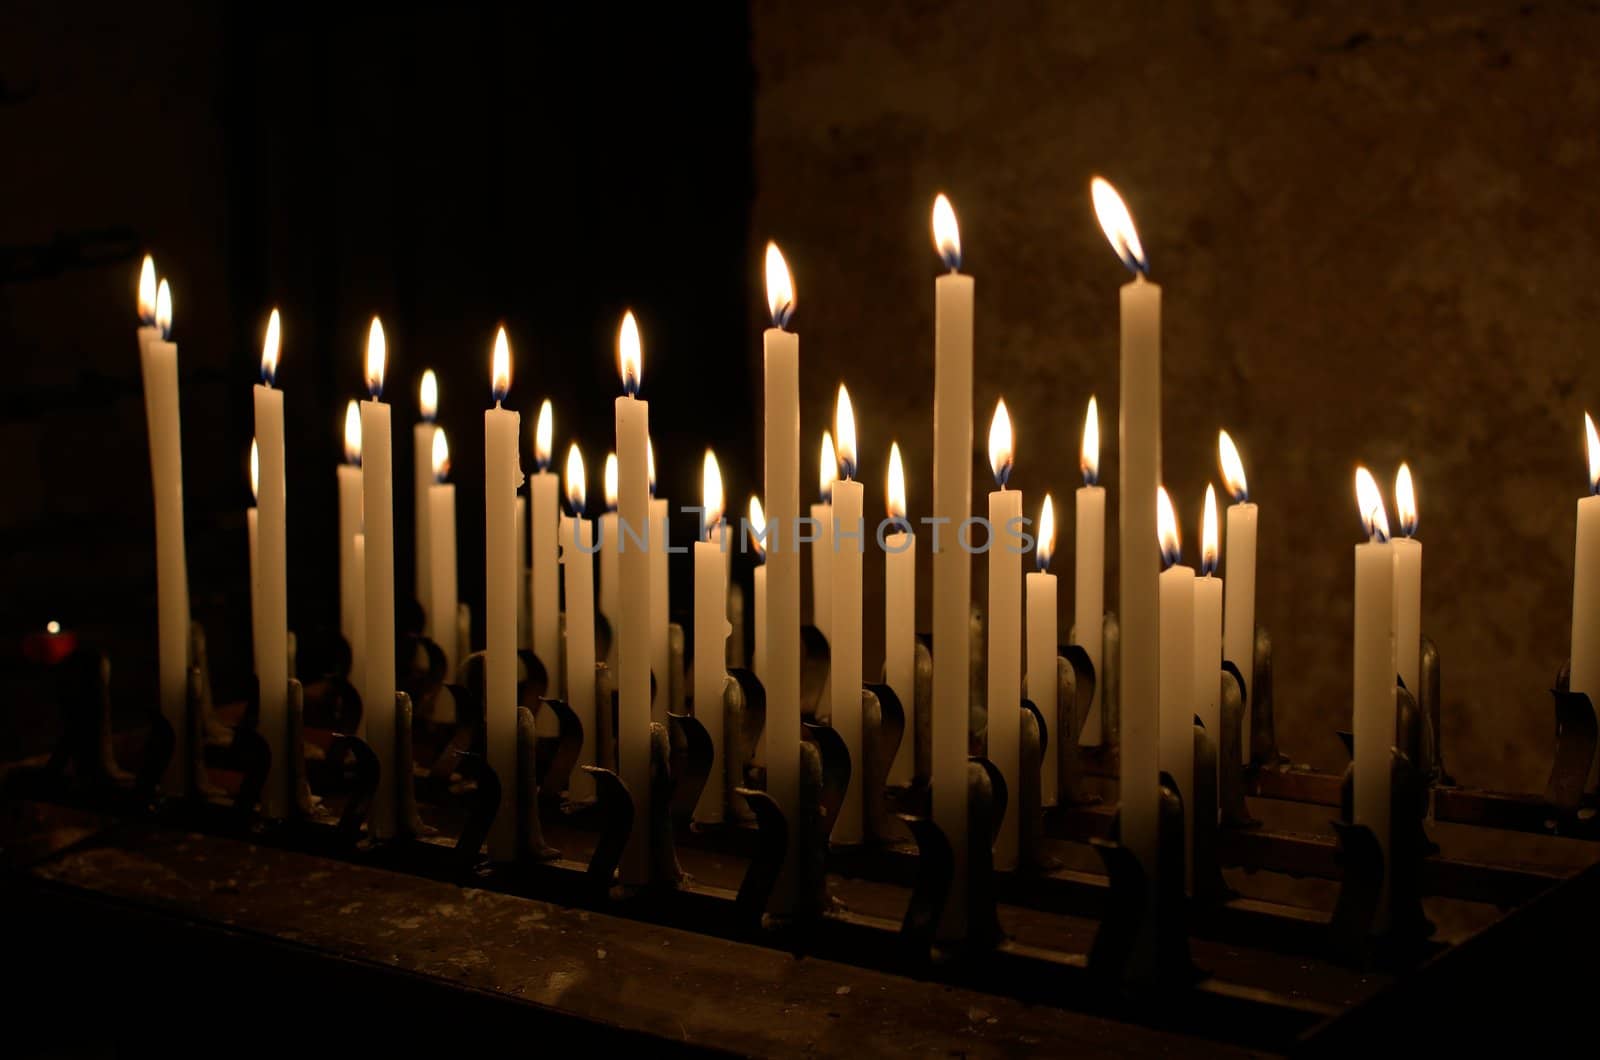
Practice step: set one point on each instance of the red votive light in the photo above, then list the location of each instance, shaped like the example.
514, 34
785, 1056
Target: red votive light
49, 647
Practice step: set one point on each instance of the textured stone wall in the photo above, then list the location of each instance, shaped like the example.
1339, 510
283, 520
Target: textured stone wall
1378, 237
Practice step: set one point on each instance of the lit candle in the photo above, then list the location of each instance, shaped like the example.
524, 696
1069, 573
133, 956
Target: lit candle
1373, 713
1208, 626
1407, 585
660, 610
1584, 675
952, 566
158, 362
608, 557
633, 606
543, 528
502, 463
272, 613
822, 539
781, 665
711, 638
758, 528
844, 621
900, 618
377, 506
1089, 592
1139, 449
352, 567
1177, 668
1239, 604
577, 562
442, 628
1043, 642
422, 479
1005, 631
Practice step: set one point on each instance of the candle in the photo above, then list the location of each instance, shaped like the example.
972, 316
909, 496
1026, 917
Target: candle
1139, 447
1373, 713
1208, 627
158, 362
781, 664
822, 537
1177, 669
660, 613
577, 563
1407, 585
1089, 600
633, 606
952, 566
1239, 603
543, 529
900, 618
524, 580
422, 479
502, 463
442, 564
377, 508
1584, 675
844, 616
1044, 644
710, 638
757, 523
608, 557
272, 614
1005, 631
352, 568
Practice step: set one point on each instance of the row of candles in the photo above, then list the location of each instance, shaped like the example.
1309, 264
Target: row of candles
1176, 628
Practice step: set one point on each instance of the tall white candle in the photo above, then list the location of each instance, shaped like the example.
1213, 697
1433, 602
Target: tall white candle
1407, 585
1005, 632
1584, 675
900, 618
352, 568
272, 632
711, 638
524, 579
1043, 643
847, 542
577, 564
544, 512
422, 478
1239, 604
1208, 626
633, 604
1177, 670
660, 609
1373, 714
502, 465
158, 362
608, 556
1089, 590
757, 523
443, 592
377, 505
952, 565
822, 536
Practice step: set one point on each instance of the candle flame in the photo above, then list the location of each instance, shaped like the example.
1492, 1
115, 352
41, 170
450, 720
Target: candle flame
650, 463
827, 469
428, 395
544, 435
377, 356
758, 528
52, 627
1117, 223
1405, 500
441, 455
1089, 453
1370, 503
897, 483
164, 308
630, 354
1167, 528
1209, 550
1001, 452
780, 287
1045, 546
711, 492
610, 478
147, 290
1594, 453
352, 433
577, 481
255, 471
269, 349
844, 425
946, 233
1232, 468
500, 366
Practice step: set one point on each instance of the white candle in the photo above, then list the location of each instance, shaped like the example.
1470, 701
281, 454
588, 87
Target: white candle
711, 639
272, 630
1139, 448
1208, 628
158, 362
781, 667
660, 609
952, 565
1584, 675
577, 564
377, 504
822, 536
1089, 591
524, 579
352, 568
608, 557
1005, 632
543, 528
422, 478
1373, 714
633, 618
757, 522
900, 619
1044, 646
844, 616
1407, 585
1177, 670
1239, 604
502, 465
442, 618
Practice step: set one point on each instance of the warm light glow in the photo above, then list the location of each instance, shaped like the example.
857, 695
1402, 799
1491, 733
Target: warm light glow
1208, 533
758, 526
897, 483
377, 358
1117, 223
1046, 545
1405, 500
544, 435
711, 493
255, 471
53, 627
500, 366
1167, 528
441, 455
577, 481
844, 426
1001, 452
610, 478
1232, 468
780, 287
428, 395
946, 233
827, 469
147, 290
1369, 501
630, 354
650, 463
1089, 452
269, 349
352, 432
164, 309
1594, 453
